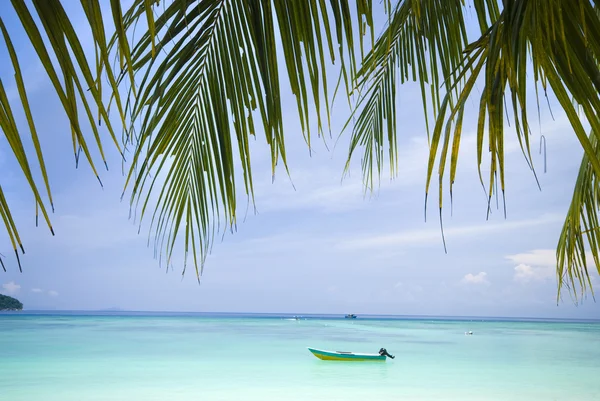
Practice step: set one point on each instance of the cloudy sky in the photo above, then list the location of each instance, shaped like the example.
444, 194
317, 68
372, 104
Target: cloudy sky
323, 247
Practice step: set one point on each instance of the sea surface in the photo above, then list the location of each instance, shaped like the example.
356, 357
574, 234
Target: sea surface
183, 357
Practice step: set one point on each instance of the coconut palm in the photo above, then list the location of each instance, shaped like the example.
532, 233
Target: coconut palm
193, 80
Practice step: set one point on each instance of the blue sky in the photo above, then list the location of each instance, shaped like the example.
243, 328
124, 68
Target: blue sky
321, 248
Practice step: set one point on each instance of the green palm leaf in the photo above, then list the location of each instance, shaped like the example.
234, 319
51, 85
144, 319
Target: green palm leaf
215, 85
520, 33
423, 42
202, 80
537, 31
71, 76
579, 236
196, 65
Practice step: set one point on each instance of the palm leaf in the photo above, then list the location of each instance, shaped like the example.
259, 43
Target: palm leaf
423, 42
579, 234
202, 80
75, 80
559, 38
536, 30
213, 84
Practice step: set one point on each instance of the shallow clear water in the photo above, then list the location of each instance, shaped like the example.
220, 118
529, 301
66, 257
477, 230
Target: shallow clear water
182, 358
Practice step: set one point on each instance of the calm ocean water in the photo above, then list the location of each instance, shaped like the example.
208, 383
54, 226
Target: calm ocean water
184, 357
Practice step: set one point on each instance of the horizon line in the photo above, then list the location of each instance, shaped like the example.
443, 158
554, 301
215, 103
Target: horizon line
308, 314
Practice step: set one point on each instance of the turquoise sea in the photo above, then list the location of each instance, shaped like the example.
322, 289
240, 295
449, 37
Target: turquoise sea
184, 357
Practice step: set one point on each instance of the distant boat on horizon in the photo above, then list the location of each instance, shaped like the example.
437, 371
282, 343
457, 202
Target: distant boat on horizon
351, 316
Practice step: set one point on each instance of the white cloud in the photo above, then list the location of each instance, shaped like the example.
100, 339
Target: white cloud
526, 273
535, 265
434, 235
51, 293
536, 257
478, 279
11, 287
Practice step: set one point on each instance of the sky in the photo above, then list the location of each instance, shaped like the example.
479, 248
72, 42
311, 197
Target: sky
318, 246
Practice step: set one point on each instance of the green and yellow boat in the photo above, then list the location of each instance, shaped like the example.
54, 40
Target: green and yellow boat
349, 356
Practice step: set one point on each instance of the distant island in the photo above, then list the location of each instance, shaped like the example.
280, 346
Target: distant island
9, 303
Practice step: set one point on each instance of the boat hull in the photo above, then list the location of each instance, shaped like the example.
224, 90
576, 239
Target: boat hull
345, 356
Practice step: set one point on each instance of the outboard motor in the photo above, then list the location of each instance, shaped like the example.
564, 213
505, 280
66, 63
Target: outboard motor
383, 351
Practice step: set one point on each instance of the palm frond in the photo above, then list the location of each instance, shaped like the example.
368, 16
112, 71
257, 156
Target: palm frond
202, 80
579, 235
536, 31
207, 70
11, 228
75, 80
423, 42
214, 84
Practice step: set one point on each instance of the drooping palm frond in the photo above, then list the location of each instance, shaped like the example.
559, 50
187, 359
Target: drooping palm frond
202, 78
423, 42
580, 235
76, 81
558, 38
198, 77
535, 32
214, 84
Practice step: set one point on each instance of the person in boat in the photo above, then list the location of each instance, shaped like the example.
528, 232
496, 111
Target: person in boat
383, 351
